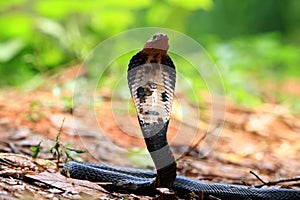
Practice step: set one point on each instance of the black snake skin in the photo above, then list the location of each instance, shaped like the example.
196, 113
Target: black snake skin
151, 80
139, 181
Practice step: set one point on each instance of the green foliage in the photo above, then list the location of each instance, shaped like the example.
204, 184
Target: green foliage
35, 113
249, 47
247, 63
59, 150
68, 104
193, 4
36, 150
10, 49
64, 151
40, 35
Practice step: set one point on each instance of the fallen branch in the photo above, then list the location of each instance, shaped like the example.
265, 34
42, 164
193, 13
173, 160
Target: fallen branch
193, 147
273, 183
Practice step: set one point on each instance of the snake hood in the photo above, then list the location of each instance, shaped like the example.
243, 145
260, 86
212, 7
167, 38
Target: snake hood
151, 79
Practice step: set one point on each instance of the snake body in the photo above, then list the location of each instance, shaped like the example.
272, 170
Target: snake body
151, 80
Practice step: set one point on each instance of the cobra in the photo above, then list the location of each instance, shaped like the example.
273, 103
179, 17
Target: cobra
151, 80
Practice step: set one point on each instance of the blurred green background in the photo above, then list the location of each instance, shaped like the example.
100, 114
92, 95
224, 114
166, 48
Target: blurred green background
253, 42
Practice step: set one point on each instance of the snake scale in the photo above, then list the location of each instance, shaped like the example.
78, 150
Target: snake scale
151, 79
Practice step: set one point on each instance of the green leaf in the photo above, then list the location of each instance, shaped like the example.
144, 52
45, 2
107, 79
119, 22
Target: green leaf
18, 25
9, 49
72, 155
51, 27
133, 4
76, 150
59, 9
112, 20
193, 4
36, 150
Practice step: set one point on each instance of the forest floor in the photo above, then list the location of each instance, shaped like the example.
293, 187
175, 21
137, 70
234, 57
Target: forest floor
264, 140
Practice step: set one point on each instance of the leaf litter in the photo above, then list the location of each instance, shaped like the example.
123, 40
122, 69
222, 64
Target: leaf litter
264, 140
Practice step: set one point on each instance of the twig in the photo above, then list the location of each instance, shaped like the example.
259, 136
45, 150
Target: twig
44, 184
273, 183
56, 148
193, 147
253, 173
